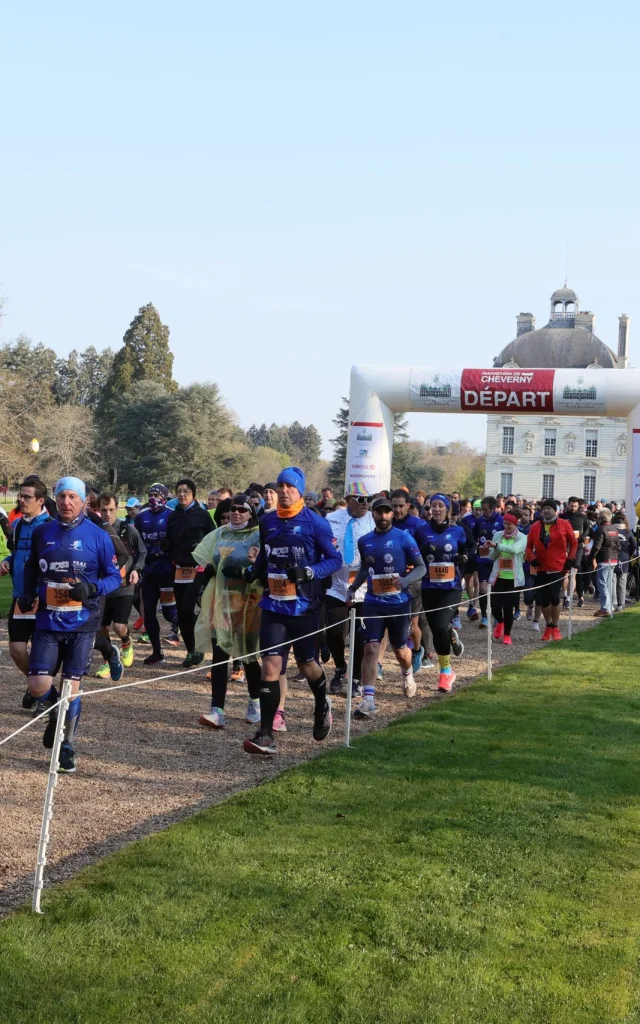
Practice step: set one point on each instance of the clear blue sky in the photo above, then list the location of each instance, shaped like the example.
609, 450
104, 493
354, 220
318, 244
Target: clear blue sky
300, 187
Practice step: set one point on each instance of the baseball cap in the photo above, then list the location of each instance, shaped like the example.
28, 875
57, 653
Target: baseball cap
132, 503
382, 503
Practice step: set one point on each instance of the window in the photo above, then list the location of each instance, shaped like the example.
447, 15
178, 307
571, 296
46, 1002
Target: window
549, 445
589, 488
506, 483
548, 483
591, 444
508, 438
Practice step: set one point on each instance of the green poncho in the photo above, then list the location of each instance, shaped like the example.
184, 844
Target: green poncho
229, 608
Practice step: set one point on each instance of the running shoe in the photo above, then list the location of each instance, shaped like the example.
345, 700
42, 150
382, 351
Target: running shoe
279, 723
337, 683
192, 660
104, 671
116, 668
457, 645
144, 638
498, 632
299, 677
172, 638
67, 765
28, 702
507, 641
127, 656
591, 589
581, 602
356, 688
214, 720
455, 622
252, 716
535, 626
470, 612
416, 660
529, 613
325, 654
547, 635
261, 743
366, 709
138, 624
154, 659
409, 687
322, 722
446, 681
49, 733
428, 662
379, 676
516, 614
238, 676
475, 616
555, 633
566, 604
484, 622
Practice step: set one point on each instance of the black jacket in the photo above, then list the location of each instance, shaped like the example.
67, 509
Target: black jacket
185, 530
606, 543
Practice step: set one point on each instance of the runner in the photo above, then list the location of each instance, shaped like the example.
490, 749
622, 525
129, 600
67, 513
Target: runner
297, 551
402, 520
157, 578
579, 523
32, 509
489, 522
348, 526
551, 545
270, 498
605, 556
229, 619
385, 557
446, 549
507, 576
117, 606
187, 525
468, 521
628, 550
72, 563
132, 507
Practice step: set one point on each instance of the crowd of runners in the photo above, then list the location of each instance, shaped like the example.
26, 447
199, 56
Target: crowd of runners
249, 578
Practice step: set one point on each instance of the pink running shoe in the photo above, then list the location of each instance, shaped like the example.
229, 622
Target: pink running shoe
446, 681
279, 724
508, 641
555, 633
498, 632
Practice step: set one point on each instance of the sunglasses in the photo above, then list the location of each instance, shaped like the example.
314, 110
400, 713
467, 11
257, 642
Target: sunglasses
360, 498
240, 508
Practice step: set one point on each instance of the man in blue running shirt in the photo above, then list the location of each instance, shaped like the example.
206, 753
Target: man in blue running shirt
487, 524
297, 552
385, 556
403, 520
72, 564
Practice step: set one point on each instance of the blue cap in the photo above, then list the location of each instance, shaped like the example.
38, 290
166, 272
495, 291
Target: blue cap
70, 483
133, 503
293, 476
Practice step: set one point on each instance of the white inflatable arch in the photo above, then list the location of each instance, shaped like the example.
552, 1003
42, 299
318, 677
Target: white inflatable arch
377, 392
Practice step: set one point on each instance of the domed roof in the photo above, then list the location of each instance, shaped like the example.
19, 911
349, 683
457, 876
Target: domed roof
564, 295
557, 348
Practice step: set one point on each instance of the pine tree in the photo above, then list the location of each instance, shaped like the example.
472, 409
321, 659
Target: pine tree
338, 464
145, 356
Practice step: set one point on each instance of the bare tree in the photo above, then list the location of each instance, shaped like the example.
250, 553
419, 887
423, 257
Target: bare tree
69, 444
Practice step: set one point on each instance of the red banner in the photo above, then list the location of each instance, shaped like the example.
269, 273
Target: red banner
507, 390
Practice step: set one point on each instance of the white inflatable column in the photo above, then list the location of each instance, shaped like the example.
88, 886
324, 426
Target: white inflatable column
370, 438
633, 464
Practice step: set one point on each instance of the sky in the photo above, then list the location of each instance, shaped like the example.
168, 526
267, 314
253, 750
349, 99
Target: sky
298, 188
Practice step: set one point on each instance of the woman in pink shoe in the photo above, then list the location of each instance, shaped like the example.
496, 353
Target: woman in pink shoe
507, 575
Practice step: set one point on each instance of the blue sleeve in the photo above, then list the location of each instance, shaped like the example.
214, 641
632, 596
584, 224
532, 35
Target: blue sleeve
109, 578
332, 559
411, 549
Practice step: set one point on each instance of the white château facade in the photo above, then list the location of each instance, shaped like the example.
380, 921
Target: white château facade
557, 456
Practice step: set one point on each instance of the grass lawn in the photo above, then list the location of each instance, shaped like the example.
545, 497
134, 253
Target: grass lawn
5, 596
476, 862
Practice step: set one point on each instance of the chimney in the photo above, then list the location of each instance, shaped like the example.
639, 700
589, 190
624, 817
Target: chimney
623, 342
585, 320
526, 322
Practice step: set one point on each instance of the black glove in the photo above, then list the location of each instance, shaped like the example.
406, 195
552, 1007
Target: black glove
233, 571
535, 563
25, 604
209, 572
299, 574
568, 565
462, 560
82, 591
249, 575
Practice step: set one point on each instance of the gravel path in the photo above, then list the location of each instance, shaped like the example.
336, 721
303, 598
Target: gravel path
144, 762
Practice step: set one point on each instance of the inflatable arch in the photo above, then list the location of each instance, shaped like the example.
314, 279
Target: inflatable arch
377, 392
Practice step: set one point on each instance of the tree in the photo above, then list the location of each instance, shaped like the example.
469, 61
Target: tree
409, 468
21, 410
337, 466
145, 356
35, 364
69, 444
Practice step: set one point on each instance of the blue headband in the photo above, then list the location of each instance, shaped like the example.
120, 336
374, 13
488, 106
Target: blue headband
293, 476
70, 483
441, 497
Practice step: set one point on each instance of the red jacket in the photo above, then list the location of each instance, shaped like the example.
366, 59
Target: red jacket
562, 546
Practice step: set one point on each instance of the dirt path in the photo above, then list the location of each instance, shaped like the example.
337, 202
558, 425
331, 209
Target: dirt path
144, 762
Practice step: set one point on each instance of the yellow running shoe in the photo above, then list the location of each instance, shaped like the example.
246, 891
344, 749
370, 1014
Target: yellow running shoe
104, 671
126, 656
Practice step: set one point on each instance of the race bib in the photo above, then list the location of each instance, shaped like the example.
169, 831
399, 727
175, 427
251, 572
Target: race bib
576, 534
58, 599
442, 572
506, 563
185, 574
386, 583
352, 575
167, 597
24, 616
484, 550
281, 588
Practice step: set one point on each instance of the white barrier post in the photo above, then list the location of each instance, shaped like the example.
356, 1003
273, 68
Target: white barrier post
489, 634
572, 584
352, 645
47, 812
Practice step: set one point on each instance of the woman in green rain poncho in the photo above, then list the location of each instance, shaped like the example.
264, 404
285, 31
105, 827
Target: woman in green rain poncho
229, 619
